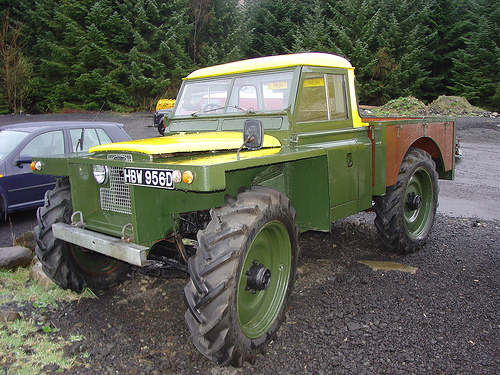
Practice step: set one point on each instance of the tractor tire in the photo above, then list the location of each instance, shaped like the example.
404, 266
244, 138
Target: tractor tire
404, 216
242, 276
70, 266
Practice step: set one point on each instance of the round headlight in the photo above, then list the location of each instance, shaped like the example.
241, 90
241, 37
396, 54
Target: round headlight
100, 174
177, 176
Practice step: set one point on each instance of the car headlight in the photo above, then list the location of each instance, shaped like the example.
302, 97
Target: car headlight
100, 173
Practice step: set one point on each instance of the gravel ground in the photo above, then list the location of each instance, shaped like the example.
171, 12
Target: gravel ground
344, 318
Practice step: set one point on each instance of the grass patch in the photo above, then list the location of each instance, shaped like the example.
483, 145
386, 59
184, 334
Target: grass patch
27, 345
16, 286
26, 350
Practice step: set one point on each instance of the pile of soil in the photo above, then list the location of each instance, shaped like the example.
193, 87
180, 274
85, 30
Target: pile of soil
408, 106
454, 106
442, 106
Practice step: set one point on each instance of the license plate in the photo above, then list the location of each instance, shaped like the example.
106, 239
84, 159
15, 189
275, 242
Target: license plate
161, 178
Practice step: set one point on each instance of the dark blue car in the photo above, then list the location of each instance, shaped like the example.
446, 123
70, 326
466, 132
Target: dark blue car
21, 189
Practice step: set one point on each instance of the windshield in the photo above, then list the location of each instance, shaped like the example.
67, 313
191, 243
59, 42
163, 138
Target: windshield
9, 139
245, 94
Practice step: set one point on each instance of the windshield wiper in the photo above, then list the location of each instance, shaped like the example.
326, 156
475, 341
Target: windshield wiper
211, 108
249, 110
207, 108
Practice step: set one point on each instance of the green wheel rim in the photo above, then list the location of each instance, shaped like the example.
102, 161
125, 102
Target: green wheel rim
257, 311
417, 220
93, 263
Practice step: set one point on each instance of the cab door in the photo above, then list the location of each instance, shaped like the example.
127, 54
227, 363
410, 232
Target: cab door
323, 117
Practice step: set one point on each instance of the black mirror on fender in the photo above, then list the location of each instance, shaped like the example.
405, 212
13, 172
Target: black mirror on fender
253, 134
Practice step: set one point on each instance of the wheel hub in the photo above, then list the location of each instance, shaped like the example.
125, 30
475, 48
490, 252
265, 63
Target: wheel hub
414, 201
258, 277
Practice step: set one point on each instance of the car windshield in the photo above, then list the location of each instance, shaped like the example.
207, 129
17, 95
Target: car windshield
268, 92
9, 139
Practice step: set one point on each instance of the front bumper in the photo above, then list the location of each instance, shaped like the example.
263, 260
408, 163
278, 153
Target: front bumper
102, 244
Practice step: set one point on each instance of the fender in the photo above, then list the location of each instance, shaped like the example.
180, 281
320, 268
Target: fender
428, 136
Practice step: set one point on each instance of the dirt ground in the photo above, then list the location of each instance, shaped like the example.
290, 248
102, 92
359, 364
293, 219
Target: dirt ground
344, 317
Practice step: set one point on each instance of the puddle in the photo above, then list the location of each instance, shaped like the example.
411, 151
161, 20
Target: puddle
388, 266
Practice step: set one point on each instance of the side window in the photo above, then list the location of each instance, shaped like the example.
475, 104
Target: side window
337, 104
323, 98
103, 137
91, 137
46, 144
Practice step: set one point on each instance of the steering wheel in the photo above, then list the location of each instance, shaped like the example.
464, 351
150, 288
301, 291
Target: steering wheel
211, 107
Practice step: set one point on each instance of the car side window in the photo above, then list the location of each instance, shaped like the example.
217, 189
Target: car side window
46, 144
323, 98
92, 137
103, 137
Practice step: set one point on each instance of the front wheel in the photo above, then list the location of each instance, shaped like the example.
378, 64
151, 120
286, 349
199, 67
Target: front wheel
70, 266
242, 276
406, 213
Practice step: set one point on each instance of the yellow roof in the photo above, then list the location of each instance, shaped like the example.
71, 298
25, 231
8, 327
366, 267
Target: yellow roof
273, 62
209, 141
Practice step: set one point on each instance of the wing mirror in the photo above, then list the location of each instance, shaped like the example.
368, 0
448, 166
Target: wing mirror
253, 136
23, 159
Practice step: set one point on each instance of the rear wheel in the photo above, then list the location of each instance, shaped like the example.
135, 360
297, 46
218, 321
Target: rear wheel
70, 266
242, 276
406, 213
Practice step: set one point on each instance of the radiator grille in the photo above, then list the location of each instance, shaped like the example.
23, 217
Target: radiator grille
116, 198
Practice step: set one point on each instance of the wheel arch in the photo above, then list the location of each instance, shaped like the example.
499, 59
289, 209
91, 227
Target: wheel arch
298, 181
437, 138
3, 207
432, 148
428, 145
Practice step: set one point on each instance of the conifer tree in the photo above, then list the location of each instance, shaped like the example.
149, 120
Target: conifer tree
352, 26
401, 42
224, 39
121, 53
273, 25
449, 20
314, 34
129, 52
476, 68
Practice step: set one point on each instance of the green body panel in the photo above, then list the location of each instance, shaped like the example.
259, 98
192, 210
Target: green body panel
154, 210
314, 178
305, 187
